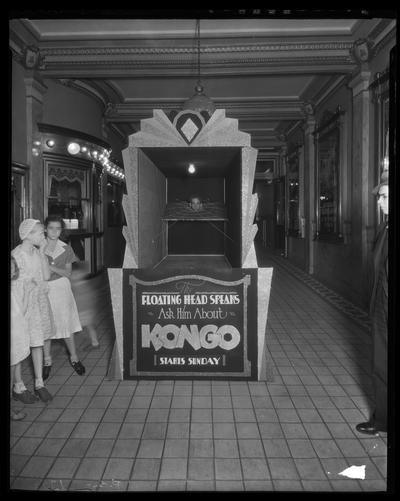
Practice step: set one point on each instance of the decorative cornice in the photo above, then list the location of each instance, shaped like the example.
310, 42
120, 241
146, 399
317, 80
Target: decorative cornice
272, 47
255, 109
215, 60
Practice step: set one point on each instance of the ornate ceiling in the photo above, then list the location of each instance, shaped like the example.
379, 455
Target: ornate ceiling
262, 71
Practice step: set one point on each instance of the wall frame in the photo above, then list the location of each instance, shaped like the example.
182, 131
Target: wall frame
328, 199
380, 98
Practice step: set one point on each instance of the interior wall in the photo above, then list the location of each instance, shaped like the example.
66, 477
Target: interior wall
68, 107
233, 196
181, 188
18, 122
152, 200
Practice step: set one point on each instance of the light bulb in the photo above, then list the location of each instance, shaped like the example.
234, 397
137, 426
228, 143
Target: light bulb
191, 169
73, 148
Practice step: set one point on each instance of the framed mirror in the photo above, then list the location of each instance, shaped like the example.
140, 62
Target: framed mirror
328, 168
293, 193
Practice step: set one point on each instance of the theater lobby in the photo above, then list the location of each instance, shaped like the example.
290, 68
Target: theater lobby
232, 155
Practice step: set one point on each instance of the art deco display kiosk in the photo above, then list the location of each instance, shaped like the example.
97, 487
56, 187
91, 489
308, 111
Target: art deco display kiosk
190, 300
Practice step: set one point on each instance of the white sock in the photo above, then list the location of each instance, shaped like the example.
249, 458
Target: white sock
19, 387
74, 359
47, 360
39, 383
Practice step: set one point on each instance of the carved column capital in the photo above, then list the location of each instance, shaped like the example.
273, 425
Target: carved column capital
360, 82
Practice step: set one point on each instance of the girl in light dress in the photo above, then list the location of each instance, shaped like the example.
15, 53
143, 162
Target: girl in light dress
33, 273
60, 257
19, 336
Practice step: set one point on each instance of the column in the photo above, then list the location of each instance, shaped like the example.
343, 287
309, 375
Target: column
309, 188
361, 158
35, 91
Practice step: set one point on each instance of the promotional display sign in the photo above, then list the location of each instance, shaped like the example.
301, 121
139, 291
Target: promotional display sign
190, 325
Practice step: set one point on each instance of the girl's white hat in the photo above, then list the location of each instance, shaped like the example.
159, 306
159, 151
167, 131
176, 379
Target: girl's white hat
26, 227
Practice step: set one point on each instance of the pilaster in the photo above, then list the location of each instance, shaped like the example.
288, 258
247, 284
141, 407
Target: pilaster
35, 90
309, 190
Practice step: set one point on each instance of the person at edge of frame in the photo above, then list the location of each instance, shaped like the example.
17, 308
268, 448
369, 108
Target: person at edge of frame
379, 315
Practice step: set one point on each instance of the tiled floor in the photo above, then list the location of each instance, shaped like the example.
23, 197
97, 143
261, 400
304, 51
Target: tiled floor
294, 434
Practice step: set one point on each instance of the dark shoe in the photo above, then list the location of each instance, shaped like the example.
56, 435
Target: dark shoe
370, 428
43, 394
26, 397
46, 372
78, 368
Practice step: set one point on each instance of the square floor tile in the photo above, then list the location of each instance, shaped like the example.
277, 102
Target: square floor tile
201, 447
131, 430
92, 415
294, 430
247, 430
26, 446
258, 485
179, 415
146, 469
38, 430
84, 430
287, 485
154, 431
50, 447
229, 485
118, 468
26, 483
222, 415
158, 415
200, 485
200, 469
287, 416
251, 448
178, 430
310, 469
125, 448
255, 469
301, 448
317, 430
75, 447
270, 430
173, 468
227, 469
350, 447
176, 448
150, 448
276, 448
100, 447
282, 469
142, 485
224, 430
107, 430
91, 468
226, 448
201, 415
17, 462
37, 467
201, 430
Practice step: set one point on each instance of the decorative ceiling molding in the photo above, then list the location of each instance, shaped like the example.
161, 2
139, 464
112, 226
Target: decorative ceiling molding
253, 109
108, 61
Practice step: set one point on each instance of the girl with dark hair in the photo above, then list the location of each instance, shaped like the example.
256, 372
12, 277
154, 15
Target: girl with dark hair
66, 318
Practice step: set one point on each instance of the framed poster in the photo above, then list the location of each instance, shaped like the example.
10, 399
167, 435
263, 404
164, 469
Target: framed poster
190, 325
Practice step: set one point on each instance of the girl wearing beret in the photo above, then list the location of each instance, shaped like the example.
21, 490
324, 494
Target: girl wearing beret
34, 271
